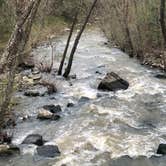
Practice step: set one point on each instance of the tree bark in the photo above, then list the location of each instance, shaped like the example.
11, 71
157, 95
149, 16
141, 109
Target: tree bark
14, 48
162, 20
16, 45
67, 44
68, 69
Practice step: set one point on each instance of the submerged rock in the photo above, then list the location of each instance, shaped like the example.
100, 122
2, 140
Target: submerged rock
112, 82
139, 161
35, 139
32, 93
53, 108
70, 105
36, 92
74, 76
48, 151
83, 99
162, 149
7, 150
161, 76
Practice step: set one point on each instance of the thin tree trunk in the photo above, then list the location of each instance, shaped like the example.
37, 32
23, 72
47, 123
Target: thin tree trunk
68, 69
162, 20
67, 44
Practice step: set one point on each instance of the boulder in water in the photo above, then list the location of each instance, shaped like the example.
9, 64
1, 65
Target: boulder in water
112, 82
53, 108
47, 115
161, 76
162, 149
32, 93
50, 151
35, 139
44, 114
84, 99
70, 105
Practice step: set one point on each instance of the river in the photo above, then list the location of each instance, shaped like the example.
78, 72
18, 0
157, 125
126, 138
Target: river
109, 125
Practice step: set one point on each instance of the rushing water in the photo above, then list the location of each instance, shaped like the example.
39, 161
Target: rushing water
109, 125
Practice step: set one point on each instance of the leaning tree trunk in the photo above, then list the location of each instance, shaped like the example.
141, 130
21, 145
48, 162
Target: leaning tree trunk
67, 44
14, 48
16, 43
68, 69
162, 20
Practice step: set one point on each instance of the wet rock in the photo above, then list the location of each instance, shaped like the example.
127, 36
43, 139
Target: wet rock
161, 76
7, 150
106, 43
27, 80
55, 117
98, 72
53, 108
26, 65
101, 66
84, 99
112, 82
35, 139
47, 115
74, 76
161, 149
39, 91
44, 114
139, 161
50, 151
32, 93
35, 77
70, 105
35, 71
5, 138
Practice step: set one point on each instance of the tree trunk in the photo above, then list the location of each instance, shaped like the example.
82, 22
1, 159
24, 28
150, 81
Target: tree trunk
67, 44
20, 35
14, 48
162, 20
68, 69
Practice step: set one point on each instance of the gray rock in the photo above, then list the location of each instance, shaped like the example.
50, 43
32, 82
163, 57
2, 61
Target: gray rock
35, 139
32, 93
84, 99
161, 76
44, 114
161, 149
70, 105
50, 151
53, 108
112, 82
47, 115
